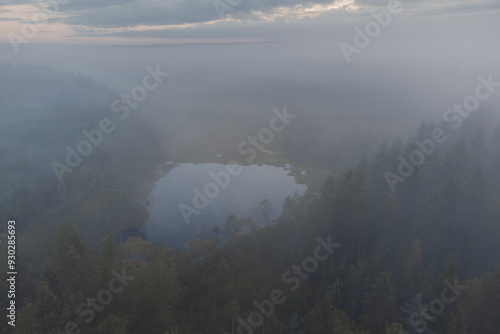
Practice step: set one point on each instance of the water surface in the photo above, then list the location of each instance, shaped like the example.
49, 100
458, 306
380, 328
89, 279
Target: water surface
241, 197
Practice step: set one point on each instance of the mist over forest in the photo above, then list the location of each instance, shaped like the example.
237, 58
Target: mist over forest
168, 169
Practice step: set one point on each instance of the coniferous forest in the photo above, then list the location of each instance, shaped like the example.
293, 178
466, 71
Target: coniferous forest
353, 257
249, 167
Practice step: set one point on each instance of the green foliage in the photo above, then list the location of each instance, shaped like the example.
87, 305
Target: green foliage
324, 319
380, 306
458, 324
156, 293
112, 325
392, 245
395, 328
43, 315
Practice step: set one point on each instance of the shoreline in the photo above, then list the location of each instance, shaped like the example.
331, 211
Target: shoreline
311, 177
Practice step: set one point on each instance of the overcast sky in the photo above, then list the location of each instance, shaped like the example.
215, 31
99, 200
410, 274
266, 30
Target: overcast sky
181, 21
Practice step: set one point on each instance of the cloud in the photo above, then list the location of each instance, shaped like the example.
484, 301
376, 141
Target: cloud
437, 7
184, 19
157, 14
150, 13
128, 13
221, 30
15, 2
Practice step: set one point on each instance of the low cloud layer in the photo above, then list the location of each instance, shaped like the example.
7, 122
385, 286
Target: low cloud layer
216, 19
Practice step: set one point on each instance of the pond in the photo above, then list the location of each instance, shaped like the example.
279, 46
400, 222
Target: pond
191, 199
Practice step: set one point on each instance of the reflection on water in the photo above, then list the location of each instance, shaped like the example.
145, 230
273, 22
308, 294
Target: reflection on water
240, 197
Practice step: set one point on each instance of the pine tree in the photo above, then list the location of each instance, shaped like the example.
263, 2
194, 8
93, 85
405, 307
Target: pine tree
395, 328
380, 305
112, 324
457, 324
